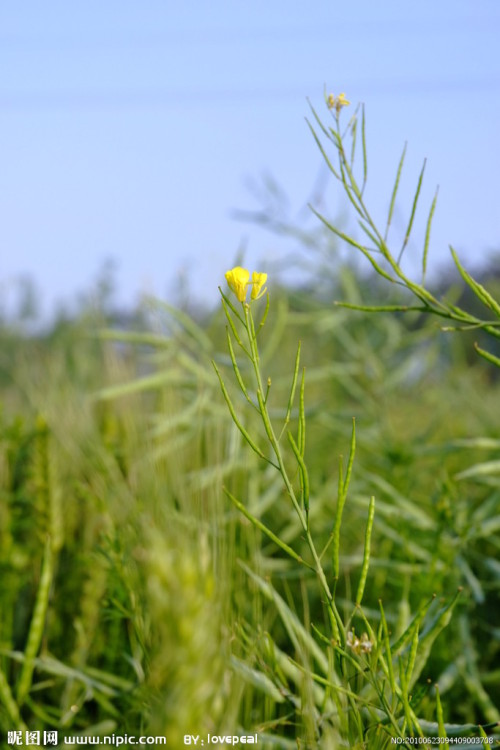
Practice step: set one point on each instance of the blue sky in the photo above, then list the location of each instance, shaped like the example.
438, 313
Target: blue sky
130, 130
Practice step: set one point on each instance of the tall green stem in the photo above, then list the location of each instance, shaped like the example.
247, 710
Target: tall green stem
335, 619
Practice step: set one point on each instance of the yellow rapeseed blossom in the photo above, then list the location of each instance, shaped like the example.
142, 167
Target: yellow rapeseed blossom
258, 281
337, 102
237, 278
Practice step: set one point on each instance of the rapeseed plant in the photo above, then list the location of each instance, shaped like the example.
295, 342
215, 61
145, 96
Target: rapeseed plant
385, 261
366, 681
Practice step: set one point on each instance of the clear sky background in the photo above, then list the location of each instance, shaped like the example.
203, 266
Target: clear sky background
131, 129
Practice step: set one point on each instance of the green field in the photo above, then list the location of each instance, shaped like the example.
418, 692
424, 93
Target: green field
156, 577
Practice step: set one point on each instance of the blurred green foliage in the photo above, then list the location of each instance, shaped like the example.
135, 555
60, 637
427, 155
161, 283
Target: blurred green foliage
115, 445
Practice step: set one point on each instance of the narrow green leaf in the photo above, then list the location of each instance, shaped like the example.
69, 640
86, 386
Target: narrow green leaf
405, 700
267, 531
268, 389
318, 120
9, 704
440, 716
233, 328
428, 235
430, 634
37, 624
381, 308
366, 555
299, 635
482, 733
355, 244
371, 235
395, 191
238, 424
292, 389
301, 438
387, 645
354, 186
337, 524
363, 141
412, 215
304, 476
136, 337
146, 383
353, 140
485, 468
431, 729
252, 335
264, 316
193, 330
323, 152
350, 186
408, 640
479, 290
350, 461
265, 418
237, 370
91, 677
229, 304
258, 679
412, 655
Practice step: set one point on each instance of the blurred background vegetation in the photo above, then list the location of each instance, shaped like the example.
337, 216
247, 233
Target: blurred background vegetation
127, 601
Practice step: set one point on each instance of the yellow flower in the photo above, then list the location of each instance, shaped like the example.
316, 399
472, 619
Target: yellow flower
341, 102
237, 278
258, 281
337, 102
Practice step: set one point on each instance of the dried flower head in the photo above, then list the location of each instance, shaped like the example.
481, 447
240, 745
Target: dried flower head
337, 102
361, 645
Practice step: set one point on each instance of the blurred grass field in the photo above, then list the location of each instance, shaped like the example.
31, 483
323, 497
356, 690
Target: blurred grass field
135, 598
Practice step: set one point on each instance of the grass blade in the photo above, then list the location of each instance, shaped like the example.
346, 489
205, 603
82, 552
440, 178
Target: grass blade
37, 624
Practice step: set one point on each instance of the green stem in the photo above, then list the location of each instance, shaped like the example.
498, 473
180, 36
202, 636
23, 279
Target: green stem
37, 624
10, 705
335, 619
